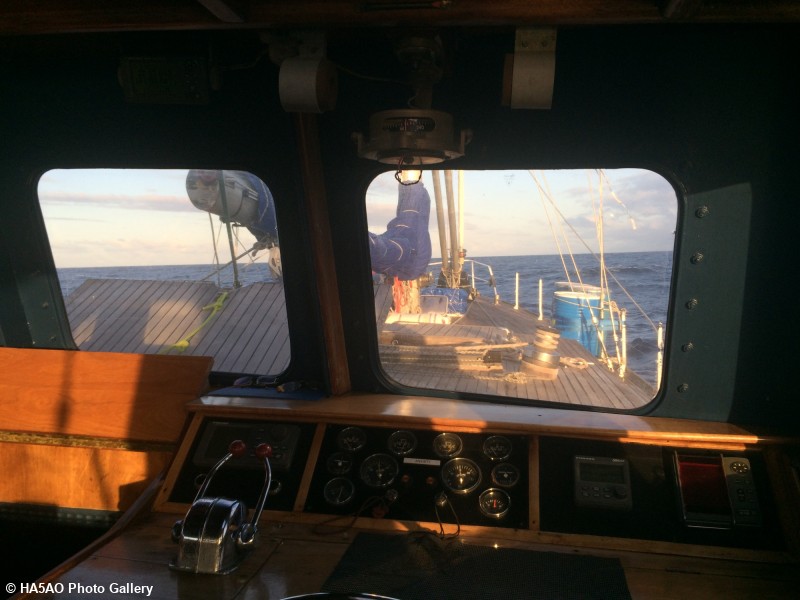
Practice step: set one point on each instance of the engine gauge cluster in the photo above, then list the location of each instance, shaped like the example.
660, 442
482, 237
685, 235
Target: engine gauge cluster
483, 478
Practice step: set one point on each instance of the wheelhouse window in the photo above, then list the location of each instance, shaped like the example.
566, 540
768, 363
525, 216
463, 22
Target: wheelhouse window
170, 262
546, 286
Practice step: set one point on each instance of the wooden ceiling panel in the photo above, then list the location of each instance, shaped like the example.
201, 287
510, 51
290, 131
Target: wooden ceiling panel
25, 17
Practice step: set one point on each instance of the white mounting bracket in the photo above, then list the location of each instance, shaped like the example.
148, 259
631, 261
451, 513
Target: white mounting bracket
530, 72
308, 81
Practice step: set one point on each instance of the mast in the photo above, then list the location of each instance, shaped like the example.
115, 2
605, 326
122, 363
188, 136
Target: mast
224, 199
451, 212
437, 193
461, 252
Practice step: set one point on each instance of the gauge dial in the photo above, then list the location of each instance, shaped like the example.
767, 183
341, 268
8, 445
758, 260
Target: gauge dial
461, 475
505, 475
351, 439
402, 443
379, 470
447, 445
339, 463
339, 491
497, 447
494, 503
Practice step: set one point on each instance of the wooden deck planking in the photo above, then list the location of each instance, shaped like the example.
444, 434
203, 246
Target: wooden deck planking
171, 317
223, 336
278, 353
250, 335
272, 356
595, 385
135, 316
96, 298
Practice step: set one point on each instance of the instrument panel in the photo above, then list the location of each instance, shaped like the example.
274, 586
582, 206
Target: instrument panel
243, 477
407, 474
586, 487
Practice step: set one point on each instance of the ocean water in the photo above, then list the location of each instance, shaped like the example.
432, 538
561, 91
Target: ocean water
639, 282
641, 287
72, 278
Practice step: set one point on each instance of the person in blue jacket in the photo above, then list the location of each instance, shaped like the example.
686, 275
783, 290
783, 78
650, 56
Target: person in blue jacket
403, 251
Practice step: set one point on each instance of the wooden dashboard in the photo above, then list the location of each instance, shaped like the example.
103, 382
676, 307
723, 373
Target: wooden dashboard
304, 537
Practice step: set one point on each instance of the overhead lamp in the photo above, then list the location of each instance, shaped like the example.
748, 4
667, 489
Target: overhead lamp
416, 135
411, 137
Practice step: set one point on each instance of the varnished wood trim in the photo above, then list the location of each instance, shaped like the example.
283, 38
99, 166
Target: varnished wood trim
76, 477
99, 394
77, 441
382, 410
322, 250
177, 461
534, 504
507, 537
54, 16
308, 471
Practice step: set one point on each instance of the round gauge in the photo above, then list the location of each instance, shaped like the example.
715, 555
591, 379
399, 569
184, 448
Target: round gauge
494, 503
351, 439
339, 463
497, 447
402, 443
379, 470
505, 475
339, 491
447, 445
461, 475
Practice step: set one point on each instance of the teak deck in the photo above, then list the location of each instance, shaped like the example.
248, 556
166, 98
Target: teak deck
249, 334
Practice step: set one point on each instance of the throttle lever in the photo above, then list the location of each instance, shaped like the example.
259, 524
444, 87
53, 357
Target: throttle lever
247, 534
213, 537
236, 449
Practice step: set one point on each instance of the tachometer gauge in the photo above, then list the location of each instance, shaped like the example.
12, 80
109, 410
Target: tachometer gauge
494, 503
447, 445
339, 491
461, 475
339, 463
497, 447
351, 439
505, 475
402, 443
379, 470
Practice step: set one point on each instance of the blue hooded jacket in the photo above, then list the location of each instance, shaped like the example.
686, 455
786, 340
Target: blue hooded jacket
404, 250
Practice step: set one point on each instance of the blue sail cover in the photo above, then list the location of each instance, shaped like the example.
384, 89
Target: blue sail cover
265, 229
404, 250
248, 199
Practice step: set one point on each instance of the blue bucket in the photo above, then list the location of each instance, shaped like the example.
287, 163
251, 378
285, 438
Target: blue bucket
572, 315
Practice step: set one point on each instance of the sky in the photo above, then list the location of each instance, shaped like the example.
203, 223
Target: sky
144, 217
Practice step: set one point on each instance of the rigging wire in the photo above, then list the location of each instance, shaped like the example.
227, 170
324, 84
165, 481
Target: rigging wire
544, 194
593, 254
215, 241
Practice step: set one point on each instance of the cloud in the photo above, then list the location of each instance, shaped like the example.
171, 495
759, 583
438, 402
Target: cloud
150, 202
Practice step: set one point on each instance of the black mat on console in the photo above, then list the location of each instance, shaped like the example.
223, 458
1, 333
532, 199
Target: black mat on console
408, 567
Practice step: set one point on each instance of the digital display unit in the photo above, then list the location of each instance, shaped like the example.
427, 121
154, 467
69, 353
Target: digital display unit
602, 482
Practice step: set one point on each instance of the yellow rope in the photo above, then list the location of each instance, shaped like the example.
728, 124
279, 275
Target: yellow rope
215, 307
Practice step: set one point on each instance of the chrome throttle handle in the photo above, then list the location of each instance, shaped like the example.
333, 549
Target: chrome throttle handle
236, 449
247, 534
213, 537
